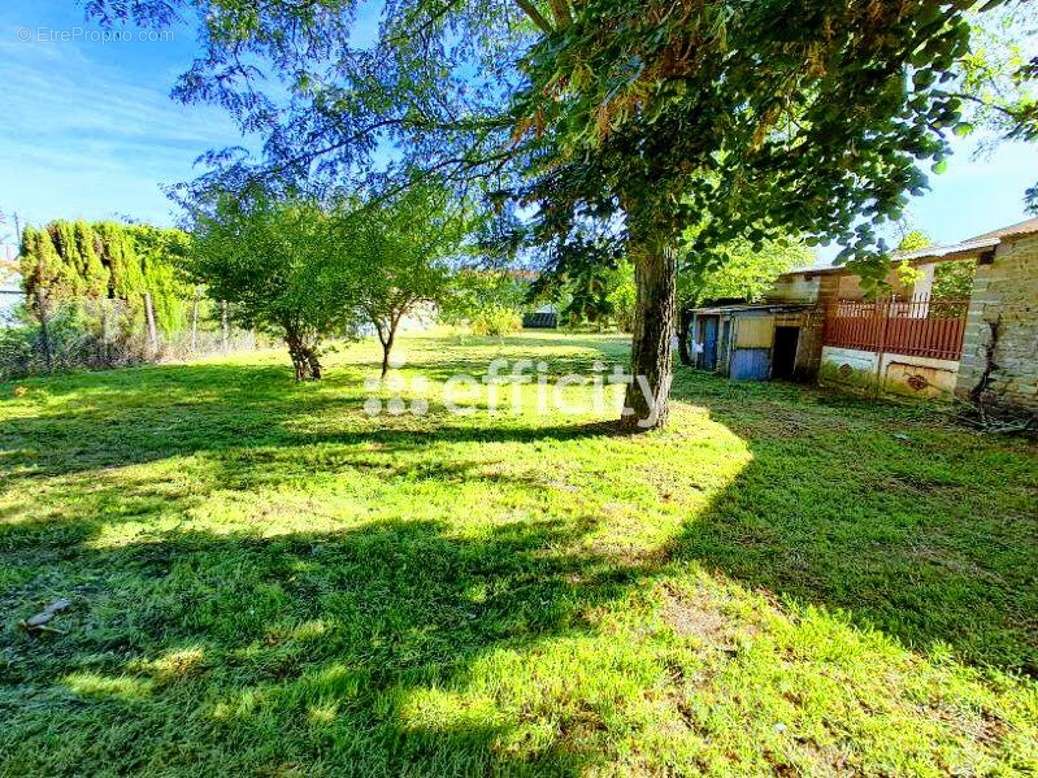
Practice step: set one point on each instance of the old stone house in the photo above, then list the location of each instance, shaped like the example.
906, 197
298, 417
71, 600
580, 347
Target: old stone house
819, 321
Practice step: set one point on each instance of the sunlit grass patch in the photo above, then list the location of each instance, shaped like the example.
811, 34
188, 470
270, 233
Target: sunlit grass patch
95, 685
172, 666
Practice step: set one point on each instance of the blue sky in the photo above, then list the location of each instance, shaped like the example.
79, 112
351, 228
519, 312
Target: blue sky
89, 131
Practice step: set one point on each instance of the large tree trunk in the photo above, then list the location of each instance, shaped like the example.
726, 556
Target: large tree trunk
655, 274
304, 358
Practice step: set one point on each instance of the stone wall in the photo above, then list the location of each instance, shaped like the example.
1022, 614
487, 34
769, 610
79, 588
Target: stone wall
903, 374
1003, 319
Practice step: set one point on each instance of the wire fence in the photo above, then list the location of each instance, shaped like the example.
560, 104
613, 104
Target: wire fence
103, 333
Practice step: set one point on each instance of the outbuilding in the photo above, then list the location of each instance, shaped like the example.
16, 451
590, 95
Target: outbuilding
757, 341
981, 346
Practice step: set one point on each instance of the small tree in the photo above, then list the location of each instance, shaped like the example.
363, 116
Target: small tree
401, 251
281, 266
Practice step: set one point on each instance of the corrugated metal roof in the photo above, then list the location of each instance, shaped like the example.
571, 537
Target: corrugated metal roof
1021, 228
988, 240
941, 252
745, 307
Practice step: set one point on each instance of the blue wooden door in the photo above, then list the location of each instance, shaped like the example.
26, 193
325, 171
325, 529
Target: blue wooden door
709, 361
751, 364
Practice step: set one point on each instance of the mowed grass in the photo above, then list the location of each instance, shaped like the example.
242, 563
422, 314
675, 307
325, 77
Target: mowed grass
265, 580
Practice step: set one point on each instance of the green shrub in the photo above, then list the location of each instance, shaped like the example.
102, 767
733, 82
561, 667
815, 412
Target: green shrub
496, 321
96, 334
17, 347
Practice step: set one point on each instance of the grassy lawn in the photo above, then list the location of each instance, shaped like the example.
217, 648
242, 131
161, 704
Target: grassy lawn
265, 580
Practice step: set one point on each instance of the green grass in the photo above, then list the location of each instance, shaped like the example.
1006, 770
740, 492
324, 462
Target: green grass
264, 580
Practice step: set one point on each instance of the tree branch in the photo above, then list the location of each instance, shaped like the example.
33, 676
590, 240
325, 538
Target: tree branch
531, 10
979, 101
563, 17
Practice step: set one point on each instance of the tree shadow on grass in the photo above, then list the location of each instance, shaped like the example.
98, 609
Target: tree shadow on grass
119, 418
305, 651
381, 647
367, 646
930, 539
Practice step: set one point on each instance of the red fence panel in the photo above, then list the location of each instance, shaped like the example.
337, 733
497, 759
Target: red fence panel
919, 327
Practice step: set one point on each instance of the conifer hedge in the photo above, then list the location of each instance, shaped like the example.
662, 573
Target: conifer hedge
71, 261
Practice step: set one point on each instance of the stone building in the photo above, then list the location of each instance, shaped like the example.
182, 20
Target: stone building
999, 361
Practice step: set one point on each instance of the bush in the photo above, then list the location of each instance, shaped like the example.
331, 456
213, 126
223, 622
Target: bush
80, 334
496, 321
17, 348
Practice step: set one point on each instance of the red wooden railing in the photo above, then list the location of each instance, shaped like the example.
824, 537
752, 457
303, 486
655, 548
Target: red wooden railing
918, 327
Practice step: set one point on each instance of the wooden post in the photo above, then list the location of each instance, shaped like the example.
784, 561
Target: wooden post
225, 327
106, 351
41, 312
884, 314
149, 313
194, 324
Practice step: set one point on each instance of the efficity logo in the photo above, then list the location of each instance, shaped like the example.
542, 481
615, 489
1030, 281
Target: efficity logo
501, 389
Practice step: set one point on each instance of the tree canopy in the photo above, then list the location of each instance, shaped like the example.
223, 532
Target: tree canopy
719, 109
